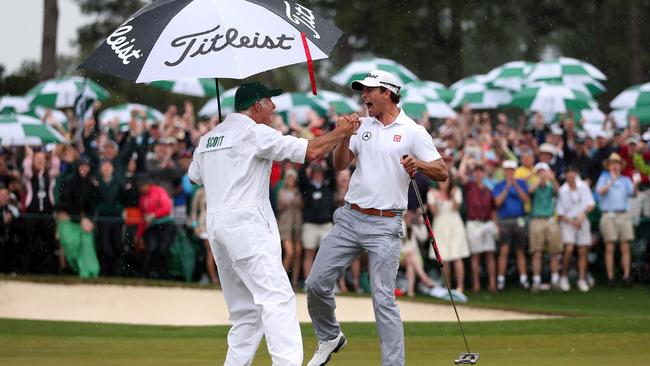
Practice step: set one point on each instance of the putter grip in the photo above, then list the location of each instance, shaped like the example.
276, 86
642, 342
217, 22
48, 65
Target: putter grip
404, 157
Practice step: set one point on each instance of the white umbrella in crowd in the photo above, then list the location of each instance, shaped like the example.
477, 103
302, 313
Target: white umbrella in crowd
415, 105
550, 98
13, 104
210, 108
429, 89
470, 80
53, 117
124, 112
563, 66
510, 75
62, 92
341, 103
297, 105
357, 70
198, 87
632, 97
19, 130
480, 96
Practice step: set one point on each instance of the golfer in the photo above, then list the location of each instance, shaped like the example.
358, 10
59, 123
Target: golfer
233, 162
371, 218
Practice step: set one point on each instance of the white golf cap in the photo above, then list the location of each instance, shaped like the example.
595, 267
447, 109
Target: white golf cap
509, 164
547, 148
541, 166
377, 78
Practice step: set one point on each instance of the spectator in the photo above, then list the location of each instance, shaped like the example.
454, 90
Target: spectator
544, 234
159, 234
444, 204
75, 227
510, 196
133, 220
318, 195
198, 216
39, 179
410, 258
290, 224
9, 243
481, 229
162, 168
574, 203
110, 248
614, 190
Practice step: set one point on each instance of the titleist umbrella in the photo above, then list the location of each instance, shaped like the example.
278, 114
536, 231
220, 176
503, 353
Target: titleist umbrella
175, 39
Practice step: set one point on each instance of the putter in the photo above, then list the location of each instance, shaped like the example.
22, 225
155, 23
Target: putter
465, 358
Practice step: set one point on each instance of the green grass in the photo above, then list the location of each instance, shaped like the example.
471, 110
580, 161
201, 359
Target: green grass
603, 327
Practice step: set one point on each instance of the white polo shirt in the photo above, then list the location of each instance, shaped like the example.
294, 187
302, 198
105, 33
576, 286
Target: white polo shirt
380, 181
233, 161
573, 203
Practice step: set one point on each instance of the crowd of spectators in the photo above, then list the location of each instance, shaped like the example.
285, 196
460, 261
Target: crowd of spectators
114, 200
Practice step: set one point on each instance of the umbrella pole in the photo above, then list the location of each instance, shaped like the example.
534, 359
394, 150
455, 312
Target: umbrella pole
216, 83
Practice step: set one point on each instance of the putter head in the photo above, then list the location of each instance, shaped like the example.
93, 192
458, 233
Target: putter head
467, 359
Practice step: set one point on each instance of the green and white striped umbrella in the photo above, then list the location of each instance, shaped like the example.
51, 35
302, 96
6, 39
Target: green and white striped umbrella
429, 89
622, 115
13, 104
297, 105
480, 96
632, 97
198, 87
563, 66
551, 98
122, 113
342, 104
210, 108
581, 83
415, 105
19, 130
470, 80
357, 70
56, 116
62, 92
510, 75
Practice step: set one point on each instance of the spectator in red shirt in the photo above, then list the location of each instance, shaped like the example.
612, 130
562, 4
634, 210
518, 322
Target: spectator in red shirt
159, 228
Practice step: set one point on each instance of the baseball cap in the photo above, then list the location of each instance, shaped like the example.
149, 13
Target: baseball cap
377, 78
249, 93
541, 166
633, 139
547, 148
509, 164
84, 159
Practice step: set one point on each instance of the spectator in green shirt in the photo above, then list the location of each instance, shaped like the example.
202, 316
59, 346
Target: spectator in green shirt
544, 232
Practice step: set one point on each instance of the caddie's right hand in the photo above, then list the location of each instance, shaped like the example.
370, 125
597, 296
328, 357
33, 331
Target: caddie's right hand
349, 124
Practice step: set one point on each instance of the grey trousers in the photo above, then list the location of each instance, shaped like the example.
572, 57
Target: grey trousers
354, 232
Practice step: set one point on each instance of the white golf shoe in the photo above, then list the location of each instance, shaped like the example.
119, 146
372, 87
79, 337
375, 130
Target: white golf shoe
583, 286
326, 348
564, 284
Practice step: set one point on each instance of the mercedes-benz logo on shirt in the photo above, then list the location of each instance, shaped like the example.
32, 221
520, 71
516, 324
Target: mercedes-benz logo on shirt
366, 136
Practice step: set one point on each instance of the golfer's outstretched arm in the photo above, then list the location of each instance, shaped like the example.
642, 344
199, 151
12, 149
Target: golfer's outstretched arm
342, 155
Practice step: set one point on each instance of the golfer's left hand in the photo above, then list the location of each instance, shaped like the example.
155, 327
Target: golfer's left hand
410, 164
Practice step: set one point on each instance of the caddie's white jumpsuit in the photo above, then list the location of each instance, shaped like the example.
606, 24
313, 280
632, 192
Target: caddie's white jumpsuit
233, 162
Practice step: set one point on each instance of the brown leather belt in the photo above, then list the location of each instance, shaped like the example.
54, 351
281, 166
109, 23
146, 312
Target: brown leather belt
373, 211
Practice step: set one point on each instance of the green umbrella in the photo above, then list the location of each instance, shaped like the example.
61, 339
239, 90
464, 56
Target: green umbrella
510, 75
429, 89
342, 104
480, 96
357, 70
622, 115
563, 66
551, 98
581, 83
227, 104
12, 104
122, 113
56, 117
298, 105
18, 130
632, 97
416, 105
62, 92
198, 87
470, 80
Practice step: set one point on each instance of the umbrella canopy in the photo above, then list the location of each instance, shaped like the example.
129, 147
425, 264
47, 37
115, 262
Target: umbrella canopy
12, 104
582, 83
564, 66
429, 89
62, 92
550, 98
297, 105
176, 39
622, 115
227, 104
18, 130
480, 96
416, 105
342, 104
510, 75
472, 79
122, 113
191, 86
55, 117
357, 70
632, 97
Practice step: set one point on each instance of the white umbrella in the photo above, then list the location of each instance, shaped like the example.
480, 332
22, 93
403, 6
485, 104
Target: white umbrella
17, 130
227, 104
13, 104
357, 70
632, 97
